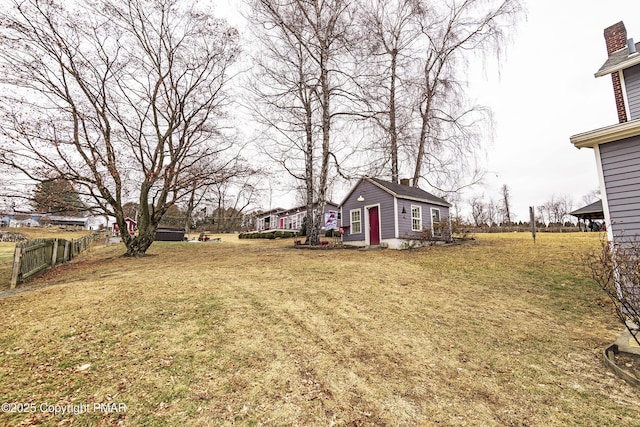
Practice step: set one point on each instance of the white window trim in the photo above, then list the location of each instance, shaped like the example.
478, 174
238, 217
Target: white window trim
439, 217
351, 221
418, 218
433, 224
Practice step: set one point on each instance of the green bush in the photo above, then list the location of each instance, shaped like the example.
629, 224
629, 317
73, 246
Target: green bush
278, 234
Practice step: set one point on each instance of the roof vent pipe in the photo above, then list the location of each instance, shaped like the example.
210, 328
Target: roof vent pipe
632, 46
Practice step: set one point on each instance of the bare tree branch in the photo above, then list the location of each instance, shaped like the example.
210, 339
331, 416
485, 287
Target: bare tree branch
118, 97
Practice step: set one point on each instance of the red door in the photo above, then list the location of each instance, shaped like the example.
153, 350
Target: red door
374, 227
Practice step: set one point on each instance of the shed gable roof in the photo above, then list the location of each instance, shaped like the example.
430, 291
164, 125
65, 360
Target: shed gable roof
402, 192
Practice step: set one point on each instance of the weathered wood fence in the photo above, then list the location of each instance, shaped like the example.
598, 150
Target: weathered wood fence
33, 256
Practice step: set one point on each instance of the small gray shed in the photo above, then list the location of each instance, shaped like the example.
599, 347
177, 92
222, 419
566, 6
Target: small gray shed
378, 212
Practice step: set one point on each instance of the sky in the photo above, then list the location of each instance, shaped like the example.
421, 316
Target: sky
541, 92
546, 92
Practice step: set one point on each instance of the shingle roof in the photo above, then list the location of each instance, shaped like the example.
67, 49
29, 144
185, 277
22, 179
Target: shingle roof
619, 60
408, 192
594, 211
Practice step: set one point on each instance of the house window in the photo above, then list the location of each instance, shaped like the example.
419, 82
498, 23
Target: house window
435, 222
356, 221
416, 218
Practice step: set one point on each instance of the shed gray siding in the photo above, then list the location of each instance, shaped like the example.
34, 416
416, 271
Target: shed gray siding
621, 172
405, 221
632, 85
373, 195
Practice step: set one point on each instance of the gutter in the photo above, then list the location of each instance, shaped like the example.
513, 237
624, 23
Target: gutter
631, 60
612, 133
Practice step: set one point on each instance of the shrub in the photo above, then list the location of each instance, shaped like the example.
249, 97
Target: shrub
332, 233
616, 269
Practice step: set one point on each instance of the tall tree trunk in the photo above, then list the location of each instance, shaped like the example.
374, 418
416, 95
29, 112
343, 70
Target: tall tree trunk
308, 157
189, 210
393, 131
314, 239
422, 141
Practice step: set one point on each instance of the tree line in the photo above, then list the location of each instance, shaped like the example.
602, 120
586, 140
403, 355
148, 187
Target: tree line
492, 212
134, 99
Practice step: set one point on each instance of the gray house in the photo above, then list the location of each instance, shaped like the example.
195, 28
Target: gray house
291, 219
377, 212
617, 147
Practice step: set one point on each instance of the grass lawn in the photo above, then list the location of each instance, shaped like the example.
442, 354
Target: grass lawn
492, 332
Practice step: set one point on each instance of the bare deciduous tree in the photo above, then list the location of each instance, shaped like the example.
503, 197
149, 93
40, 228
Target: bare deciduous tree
232, 197
556, 210
122, 98
296, 82
449, 136
479, 212
419, 52
389, 35
209, 179
591, 196
493, 212
506, 204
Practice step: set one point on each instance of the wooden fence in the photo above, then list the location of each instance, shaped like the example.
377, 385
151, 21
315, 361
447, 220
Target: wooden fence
33, 256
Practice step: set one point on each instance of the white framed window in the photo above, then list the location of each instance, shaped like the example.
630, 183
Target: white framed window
435, 222
356, 221
416, 218
435, 215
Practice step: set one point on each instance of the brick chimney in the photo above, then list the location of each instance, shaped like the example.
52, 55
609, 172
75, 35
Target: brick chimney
405, 181
615, 37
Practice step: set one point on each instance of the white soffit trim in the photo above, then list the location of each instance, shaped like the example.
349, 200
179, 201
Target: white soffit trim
629, 62
607, 134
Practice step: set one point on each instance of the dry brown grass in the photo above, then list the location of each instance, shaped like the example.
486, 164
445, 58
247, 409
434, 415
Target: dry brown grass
49, 232
491, 332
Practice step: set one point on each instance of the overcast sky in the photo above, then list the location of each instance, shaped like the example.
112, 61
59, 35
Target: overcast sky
547, 92
544, 92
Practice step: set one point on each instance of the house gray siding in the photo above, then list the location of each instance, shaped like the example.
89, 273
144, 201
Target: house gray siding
372, 196
405, 221
621, 172
632, 85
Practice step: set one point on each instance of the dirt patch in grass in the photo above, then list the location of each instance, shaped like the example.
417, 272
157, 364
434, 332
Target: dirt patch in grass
628, 362
490, 332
